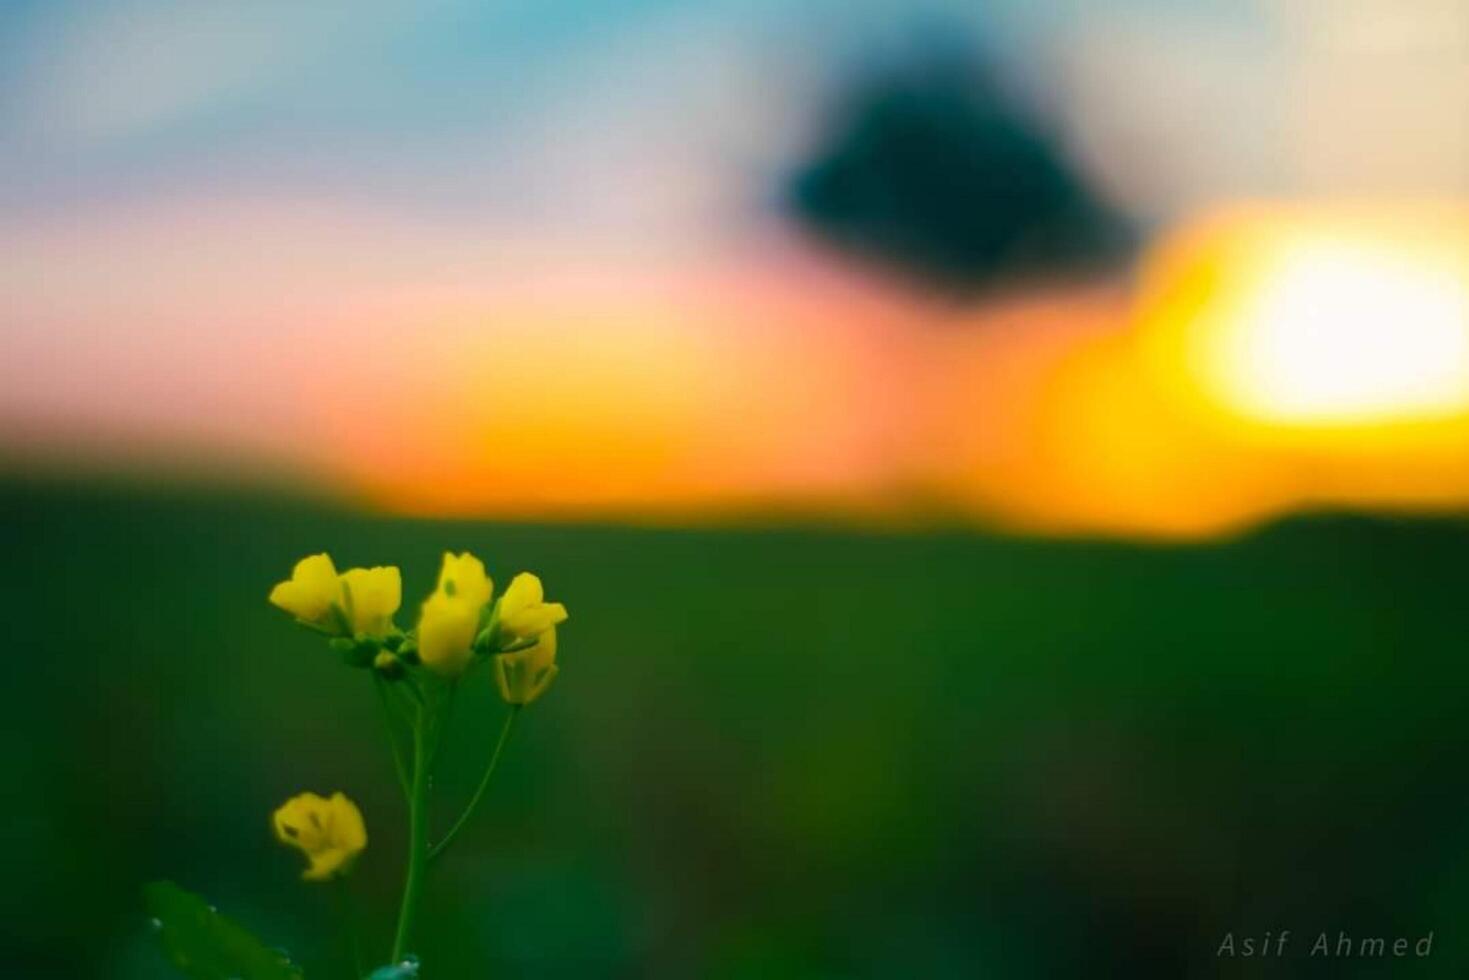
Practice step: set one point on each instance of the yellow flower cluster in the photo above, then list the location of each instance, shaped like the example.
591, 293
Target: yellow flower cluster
461, 618
459, 623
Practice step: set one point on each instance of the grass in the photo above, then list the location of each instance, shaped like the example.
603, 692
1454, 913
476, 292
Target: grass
775, 752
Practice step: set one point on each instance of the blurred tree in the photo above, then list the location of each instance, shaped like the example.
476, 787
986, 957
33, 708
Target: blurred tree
929, 169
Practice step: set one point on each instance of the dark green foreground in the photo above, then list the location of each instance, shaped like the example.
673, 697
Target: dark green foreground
770, 753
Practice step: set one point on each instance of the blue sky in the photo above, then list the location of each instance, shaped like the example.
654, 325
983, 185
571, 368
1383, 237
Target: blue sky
424, 100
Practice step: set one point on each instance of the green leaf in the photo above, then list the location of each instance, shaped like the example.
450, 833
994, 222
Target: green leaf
205, 945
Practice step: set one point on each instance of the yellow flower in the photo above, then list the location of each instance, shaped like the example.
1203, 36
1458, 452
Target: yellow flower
449, 619
463, 577
360, 600
311, 592
330, 832
446, 628
371, 596
524, 613
525, 675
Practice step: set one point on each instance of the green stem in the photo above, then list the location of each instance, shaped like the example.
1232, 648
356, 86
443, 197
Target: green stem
483, 785
446, 712
417, 838
398, 764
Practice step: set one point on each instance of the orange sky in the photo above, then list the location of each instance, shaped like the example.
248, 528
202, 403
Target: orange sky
790, 384
777, 379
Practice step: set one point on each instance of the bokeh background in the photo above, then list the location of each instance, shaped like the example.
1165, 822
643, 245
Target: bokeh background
1006, 462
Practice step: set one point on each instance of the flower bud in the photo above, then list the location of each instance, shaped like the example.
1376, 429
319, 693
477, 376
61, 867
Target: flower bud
524, 676
388, 665
523, 611
371, 596
446, 627
449, 619
312, 594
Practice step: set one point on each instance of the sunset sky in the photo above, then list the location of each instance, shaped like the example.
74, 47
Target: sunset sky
529, 259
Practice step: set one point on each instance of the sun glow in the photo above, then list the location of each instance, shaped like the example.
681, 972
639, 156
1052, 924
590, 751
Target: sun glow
1338, 331
1299, 321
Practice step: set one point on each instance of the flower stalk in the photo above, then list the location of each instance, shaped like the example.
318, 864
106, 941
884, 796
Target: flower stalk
400, 768
484, 783
417, 838
416, 676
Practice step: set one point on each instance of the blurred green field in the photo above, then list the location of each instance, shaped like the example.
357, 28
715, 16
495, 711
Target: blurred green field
771, 753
